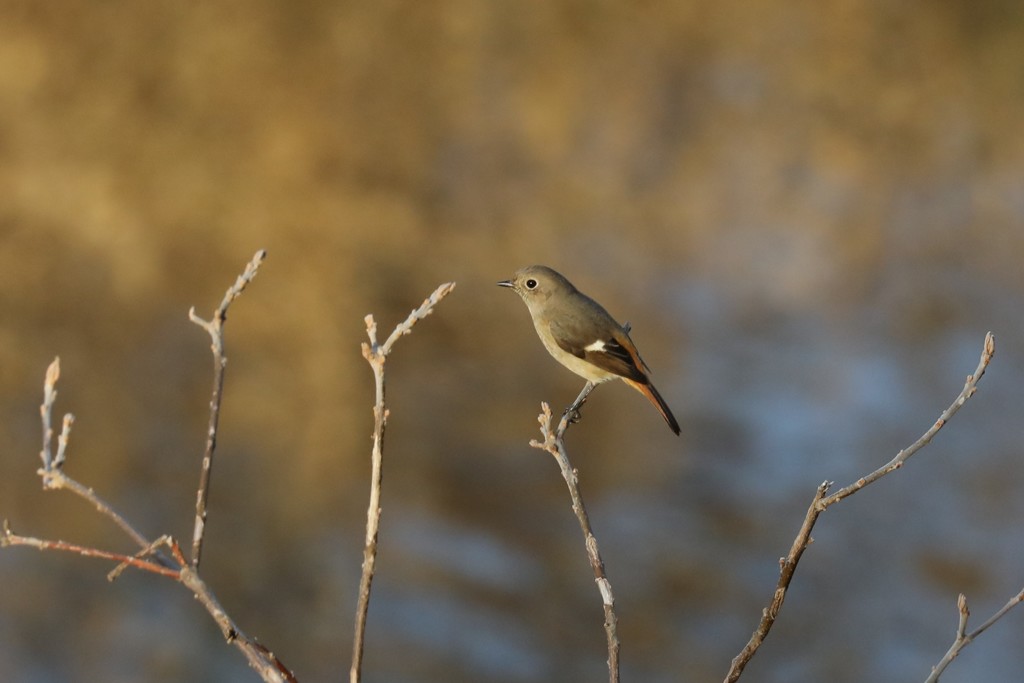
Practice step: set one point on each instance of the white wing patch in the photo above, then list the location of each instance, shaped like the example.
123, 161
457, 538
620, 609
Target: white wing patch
595, 346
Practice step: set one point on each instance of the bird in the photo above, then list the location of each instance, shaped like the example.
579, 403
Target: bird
581, 335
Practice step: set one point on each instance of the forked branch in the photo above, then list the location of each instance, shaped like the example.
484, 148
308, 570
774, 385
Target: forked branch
149, 558
215, 328
963, 638
376, 355
821, 502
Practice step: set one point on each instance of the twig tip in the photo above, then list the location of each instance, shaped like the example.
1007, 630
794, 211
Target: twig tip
53, 372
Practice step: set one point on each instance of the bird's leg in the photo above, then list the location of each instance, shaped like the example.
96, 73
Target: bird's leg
573, 411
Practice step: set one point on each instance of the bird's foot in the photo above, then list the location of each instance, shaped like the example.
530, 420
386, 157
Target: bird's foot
573, 412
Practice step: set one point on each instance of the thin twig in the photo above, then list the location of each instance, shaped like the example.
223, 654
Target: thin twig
10, 538
821, 502
215, 328
787, 567
52, 472
270, 668
963, 638
554, 444
46, 411
376, 355
970, 387
164, 540
62, 441
57, 479
262, 660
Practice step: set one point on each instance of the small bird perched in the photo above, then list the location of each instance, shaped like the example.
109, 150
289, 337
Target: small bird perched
582, 336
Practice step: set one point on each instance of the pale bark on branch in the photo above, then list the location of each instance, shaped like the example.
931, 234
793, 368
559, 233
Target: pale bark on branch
821, 502
376, 355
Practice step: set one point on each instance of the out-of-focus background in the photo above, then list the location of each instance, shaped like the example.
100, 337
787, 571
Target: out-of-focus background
810, 212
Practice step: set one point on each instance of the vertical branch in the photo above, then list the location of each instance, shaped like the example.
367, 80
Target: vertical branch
62, 441
959, 642
380, 417
215, 328
376, 355
46, 412
554, 445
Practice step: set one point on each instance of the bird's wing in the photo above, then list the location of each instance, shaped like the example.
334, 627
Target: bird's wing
614, 353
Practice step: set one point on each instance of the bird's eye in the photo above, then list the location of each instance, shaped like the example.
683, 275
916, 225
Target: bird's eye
531, 284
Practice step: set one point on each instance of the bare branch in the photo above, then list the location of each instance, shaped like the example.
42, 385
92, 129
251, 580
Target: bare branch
963, 638
62, 440
56, 480
52, 472
46, 410
787, 567
425, 309
376, 355
164, 540
970, 386
554, 444
261, 659
821, 502
12, 539
215, 328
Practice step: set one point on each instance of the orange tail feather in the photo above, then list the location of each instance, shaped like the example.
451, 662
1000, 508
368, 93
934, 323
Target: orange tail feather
655, 398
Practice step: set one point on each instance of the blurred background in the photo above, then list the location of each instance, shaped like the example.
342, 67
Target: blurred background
810, 212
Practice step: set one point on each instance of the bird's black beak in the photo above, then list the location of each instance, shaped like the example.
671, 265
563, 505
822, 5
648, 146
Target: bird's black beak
506, 283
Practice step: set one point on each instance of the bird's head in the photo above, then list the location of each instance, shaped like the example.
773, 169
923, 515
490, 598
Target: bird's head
537, 284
